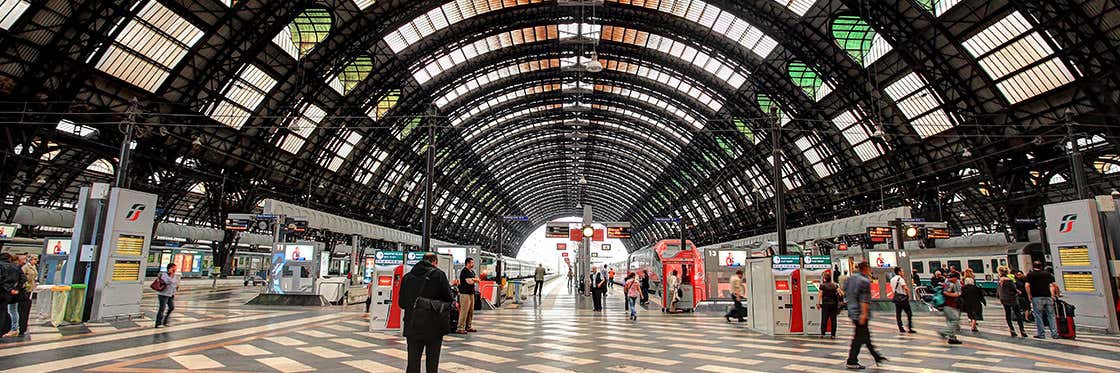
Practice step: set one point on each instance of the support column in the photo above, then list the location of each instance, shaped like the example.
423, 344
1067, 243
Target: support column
779, 186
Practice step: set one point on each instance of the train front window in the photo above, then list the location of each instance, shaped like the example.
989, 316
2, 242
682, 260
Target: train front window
976, 265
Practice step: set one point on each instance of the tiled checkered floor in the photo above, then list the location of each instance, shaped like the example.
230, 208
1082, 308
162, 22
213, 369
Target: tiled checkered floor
214, 333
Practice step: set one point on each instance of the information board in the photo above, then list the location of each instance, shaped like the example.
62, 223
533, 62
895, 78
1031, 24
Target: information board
1079, 282
786, 262
560, 246
879, 234
937, 233
1074, 256
818, 262
619, 232
556, 230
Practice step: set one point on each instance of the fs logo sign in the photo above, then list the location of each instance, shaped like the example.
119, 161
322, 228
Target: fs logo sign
134, 212
1066, 225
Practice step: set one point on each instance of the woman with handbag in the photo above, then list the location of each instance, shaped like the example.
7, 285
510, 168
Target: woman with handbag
901, 301
1009, 297
165, 285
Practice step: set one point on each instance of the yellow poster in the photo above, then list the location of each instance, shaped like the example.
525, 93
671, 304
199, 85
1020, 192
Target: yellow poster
129, 245
1079, 282
126, 271
1074, 256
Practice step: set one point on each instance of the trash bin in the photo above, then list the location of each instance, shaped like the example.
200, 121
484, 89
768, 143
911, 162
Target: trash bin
41, 305
76, 305
59, 296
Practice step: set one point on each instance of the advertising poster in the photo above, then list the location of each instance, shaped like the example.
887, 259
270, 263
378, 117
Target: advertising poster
297, 253
883, 259
458, 254
58, 246
735, 258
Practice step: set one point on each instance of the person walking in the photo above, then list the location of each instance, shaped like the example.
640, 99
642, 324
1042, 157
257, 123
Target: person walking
610, 280
1041, 295
569, 278
31, 273
606, 282
631, 288
538, 279
468, 281
13, 289
170, 280
674, 283
901, 301
645, 287
858, 297
972, 300
829, 304
425, 280
737, 292
598, 282
1008, 298
951, 290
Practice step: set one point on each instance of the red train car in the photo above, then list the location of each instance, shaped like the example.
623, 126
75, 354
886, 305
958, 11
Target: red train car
664, 257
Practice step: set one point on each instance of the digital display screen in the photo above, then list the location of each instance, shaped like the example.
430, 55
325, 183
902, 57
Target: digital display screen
458, 254
605, 247
879, 234
937, 233
553, 230
618, 232
130, 245
883, 259
297, 253
58, 246
732, 258
239, 225
561, 246
781, 285
7, 230
296, 224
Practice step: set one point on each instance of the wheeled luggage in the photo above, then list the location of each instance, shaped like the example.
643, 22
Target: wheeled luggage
1064, 313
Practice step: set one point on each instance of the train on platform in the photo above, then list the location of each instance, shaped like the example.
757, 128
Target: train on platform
665, 256
512, 268
983, 260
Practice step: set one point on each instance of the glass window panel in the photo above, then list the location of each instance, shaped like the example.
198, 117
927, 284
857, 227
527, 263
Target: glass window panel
149, 46
10, 11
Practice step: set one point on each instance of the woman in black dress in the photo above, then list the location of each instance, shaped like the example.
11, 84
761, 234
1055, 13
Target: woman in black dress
972, 297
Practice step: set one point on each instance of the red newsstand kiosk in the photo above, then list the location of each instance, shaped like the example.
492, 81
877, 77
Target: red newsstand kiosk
690, 267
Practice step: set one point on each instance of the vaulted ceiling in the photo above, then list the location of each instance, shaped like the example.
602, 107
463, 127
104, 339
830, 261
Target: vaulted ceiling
962, 109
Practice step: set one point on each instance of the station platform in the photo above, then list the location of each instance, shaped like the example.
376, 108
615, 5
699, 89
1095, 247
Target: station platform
212, 330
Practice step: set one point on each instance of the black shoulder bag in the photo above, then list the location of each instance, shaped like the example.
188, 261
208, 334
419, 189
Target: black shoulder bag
428, 317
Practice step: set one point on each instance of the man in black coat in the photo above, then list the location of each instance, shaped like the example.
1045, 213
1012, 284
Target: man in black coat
424, 280
11, 283
598, 288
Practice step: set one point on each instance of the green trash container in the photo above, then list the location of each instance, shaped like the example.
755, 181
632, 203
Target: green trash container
59, 296
76, 305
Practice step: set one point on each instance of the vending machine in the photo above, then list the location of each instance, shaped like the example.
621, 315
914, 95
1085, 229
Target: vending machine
812, 272
55, 261
384, 313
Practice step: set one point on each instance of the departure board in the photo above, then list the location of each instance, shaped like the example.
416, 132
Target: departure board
126, 270
556, 230
937, 233
879, 234
1074, 256
1079, 282
618, 232
130, 245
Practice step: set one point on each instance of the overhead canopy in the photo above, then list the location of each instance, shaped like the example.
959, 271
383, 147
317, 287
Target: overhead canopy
641, 109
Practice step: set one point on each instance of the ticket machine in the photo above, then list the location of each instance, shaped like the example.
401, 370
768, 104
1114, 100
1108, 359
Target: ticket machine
775, 298
812, 270
384, 313
295, 268
54, 263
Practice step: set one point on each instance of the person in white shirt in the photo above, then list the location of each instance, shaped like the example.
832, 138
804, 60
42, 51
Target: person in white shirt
674, 283
902, 301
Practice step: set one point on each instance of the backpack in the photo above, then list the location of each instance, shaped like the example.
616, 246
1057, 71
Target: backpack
428, 317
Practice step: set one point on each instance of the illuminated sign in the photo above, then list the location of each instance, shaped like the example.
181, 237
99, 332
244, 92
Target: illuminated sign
564, 254
562, 246
781, 285
605, 247
130, 245
818, 262
1079, 282
618, 232
879, 234
1074, 256
126, 271
786, 262
8, 230
384, 280
556, 230
58, 246
296, 224
937, 233
240, 225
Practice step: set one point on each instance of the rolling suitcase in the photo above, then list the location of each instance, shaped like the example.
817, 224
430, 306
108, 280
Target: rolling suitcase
1064, 313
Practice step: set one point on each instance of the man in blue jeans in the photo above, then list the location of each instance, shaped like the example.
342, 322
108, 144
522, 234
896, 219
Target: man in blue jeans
1041, 294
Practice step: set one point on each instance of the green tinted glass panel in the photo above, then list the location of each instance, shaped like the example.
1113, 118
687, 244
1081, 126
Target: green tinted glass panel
746, 130
727, 146
854, 35
309, 28
387, 102
803, 76
408, 127
355, 73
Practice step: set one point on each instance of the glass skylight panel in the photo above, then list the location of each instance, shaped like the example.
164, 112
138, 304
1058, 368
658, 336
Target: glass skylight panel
938, 7
301, 128
348, 140
305, 32
477, 130
369, 166
495, 75
715, 19
10, 11
658, 74
442, 17
789, 174
385, 103
731, 74
242, 96
446, 61
815, 153
672, 108
363, 4
74, 128
408, 127
809, 80
1018, 58
920, 104
799, 7
580, 30
858, 134
149, 46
